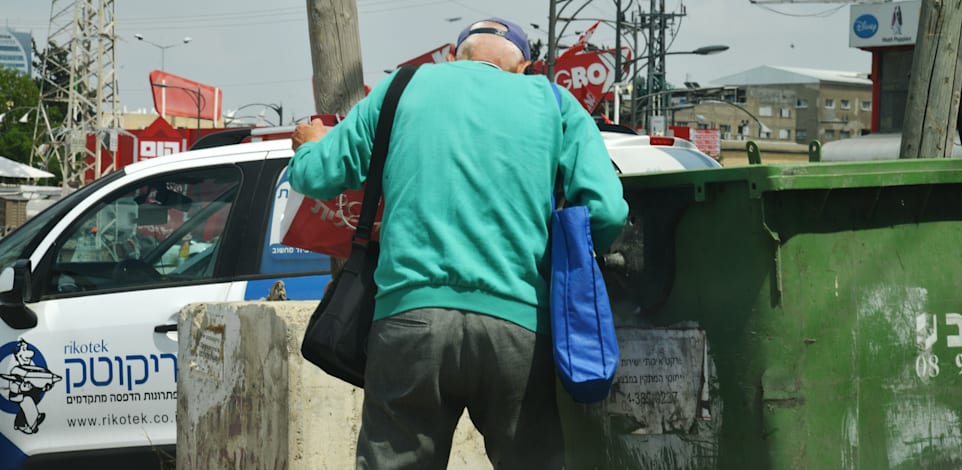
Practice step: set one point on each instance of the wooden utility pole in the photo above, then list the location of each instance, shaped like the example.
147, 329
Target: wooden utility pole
932, 108
335, 55
336, 60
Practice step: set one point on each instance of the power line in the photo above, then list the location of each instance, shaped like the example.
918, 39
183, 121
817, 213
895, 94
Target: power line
469, 7
275, 82
161, 27
821, 14
218, 16
382, 10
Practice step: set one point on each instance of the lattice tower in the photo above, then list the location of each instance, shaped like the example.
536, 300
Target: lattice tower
86, 29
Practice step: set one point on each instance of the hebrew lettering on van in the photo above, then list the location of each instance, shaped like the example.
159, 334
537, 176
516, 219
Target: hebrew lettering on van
131, 366
131, 370
173, 361
93, 371
120, 366
83, 372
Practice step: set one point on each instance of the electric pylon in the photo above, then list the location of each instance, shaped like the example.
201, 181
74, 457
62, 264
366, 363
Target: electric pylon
88, 88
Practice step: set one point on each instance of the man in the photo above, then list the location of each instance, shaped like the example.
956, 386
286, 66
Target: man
461, 318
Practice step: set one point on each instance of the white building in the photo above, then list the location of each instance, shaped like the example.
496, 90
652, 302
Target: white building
15, 50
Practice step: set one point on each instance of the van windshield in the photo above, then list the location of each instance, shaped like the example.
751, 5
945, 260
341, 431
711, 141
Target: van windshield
19, 243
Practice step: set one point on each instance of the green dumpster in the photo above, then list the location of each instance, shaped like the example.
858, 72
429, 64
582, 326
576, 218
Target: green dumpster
785, 316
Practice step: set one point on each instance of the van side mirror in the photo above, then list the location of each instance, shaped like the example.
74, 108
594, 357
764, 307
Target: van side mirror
14, 288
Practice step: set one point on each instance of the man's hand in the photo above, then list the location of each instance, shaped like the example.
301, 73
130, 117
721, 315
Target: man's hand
308, 133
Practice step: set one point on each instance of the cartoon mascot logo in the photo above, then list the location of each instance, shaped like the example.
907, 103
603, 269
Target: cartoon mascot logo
26, 382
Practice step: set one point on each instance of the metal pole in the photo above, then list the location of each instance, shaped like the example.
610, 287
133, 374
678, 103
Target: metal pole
198, 114
552, 40
650, 82
663, 79
634, 70
618, 18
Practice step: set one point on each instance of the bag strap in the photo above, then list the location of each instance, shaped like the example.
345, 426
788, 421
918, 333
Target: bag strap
557, 197
382, 139
557, 94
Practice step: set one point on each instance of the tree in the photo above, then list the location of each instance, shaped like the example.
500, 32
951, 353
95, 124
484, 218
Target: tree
18, 97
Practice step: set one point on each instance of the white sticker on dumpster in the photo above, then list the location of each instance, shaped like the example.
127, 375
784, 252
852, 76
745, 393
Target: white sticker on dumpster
659, 382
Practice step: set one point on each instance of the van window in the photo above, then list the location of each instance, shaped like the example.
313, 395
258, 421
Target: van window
21, 242
278, 258
162, 230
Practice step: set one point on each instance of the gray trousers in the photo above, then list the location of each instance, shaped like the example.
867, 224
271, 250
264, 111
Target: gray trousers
426, 366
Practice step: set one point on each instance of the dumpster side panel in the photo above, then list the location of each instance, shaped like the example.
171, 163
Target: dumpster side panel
828, 302
873, 283
720, 269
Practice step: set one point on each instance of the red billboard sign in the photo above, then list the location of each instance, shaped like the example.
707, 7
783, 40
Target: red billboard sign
590, 76
157, 140
179, 96
435, 56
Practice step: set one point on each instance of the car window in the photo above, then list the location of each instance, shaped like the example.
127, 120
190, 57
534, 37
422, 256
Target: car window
166, 229
21, 242
276, 257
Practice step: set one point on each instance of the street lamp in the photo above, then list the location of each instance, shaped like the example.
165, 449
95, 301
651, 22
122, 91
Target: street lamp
163, 49
23, 119
195, 95
762, 128
278, 108
704, 50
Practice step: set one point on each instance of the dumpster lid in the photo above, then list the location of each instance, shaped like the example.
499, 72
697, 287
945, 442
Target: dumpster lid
784, 177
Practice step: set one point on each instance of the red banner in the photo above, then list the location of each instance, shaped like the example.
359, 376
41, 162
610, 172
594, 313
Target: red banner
582, 41
590, 76
435, 56
178, 96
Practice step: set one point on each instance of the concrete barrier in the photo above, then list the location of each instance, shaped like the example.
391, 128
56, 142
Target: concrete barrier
247, 399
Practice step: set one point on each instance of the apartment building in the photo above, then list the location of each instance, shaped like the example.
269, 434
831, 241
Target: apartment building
780, 103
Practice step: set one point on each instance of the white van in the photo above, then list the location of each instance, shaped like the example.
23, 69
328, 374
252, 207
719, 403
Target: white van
91, 288
91, 291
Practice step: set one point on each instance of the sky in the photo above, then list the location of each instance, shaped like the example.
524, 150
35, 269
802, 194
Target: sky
259, 52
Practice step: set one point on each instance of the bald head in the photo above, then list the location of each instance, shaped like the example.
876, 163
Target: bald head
492, 48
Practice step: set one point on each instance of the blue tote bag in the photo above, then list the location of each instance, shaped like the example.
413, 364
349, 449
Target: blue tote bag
582, 328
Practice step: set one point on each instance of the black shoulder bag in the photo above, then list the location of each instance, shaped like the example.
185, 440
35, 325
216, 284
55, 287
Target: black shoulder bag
336, 335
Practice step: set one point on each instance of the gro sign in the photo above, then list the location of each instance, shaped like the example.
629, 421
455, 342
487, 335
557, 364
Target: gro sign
577, 77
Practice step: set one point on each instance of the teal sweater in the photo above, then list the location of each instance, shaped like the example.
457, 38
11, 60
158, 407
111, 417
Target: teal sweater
467, 187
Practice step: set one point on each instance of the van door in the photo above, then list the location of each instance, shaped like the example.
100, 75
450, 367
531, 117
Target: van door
304, 274
100, 369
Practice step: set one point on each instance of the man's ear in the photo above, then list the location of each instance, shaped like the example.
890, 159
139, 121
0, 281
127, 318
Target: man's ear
451, 57
522, 66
